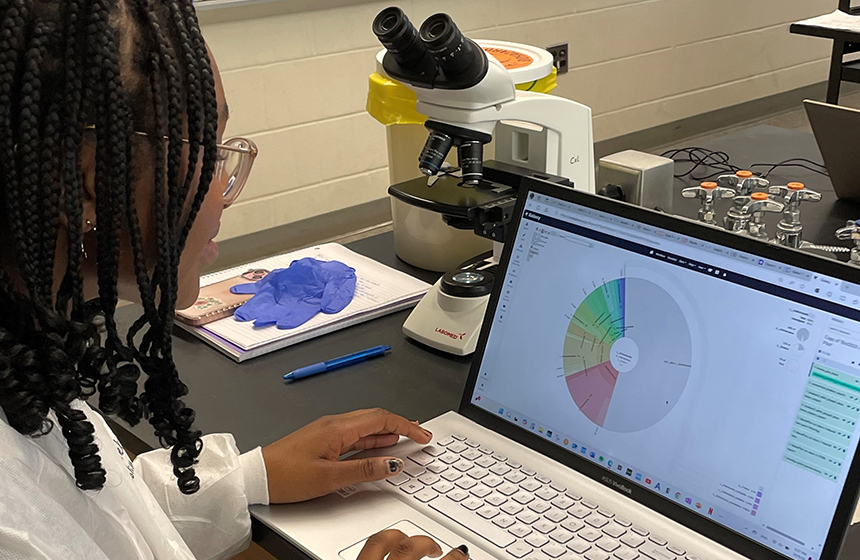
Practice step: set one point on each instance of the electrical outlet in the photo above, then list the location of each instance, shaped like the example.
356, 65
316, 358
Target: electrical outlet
559, 56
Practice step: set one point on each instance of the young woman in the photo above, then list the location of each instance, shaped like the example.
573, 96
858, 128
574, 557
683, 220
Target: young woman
113, 181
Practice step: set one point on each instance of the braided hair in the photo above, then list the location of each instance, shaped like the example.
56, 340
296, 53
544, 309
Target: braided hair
75, 74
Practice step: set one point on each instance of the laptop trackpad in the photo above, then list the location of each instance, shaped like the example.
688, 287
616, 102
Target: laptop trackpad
406, 527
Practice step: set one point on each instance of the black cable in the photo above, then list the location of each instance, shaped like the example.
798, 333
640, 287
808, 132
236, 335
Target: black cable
790, 163
701, 157
719, 160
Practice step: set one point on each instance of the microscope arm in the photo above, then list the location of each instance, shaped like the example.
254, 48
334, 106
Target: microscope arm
570, 150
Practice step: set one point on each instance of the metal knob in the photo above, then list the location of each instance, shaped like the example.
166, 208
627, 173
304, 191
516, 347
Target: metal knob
759, 205
736, 219
851, 231
789, 230
744, 182
708, 192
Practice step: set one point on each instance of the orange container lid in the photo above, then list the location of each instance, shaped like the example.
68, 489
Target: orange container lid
744, 174
758, 196
708, 185
795, 186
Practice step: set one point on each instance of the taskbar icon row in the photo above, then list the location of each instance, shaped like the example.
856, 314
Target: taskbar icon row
611, 463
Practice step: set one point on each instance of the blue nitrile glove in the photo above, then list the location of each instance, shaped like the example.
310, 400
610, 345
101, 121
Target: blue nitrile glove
289, 297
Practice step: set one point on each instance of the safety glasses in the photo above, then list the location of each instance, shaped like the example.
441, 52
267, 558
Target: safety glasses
235, 158
233, 164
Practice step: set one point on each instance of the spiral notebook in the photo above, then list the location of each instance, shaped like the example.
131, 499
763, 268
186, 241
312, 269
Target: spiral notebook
379, 290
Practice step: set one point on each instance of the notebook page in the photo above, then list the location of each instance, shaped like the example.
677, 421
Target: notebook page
377, 286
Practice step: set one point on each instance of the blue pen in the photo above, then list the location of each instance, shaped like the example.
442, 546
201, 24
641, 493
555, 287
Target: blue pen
343, 361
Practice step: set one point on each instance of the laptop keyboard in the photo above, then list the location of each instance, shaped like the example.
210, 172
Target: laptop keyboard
521, 511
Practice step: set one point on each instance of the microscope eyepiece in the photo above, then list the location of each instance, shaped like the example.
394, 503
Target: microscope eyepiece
438, 28
398, 36
388, 20
437, 56
454, 53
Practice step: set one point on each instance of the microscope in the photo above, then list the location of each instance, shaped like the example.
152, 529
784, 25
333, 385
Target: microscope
465, 94
470, 99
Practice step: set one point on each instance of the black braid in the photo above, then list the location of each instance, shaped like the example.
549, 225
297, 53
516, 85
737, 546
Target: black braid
66, 85
210, 116
11, 39
49, 181
28, 133
72, 287
118, 385
194, 106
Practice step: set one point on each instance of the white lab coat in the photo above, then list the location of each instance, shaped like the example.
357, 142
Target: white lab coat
139, 514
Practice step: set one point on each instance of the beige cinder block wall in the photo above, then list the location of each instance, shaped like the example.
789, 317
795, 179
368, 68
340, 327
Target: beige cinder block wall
296, 83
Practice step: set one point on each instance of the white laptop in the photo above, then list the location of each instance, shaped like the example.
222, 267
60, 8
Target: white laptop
645, 387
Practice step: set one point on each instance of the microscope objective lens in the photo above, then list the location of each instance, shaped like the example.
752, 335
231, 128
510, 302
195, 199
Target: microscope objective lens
434, 153
471, 157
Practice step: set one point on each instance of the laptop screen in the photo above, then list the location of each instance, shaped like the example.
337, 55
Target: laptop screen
725, 382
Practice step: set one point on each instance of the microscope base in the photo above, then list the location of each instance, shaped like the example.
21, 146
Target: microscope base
448, 323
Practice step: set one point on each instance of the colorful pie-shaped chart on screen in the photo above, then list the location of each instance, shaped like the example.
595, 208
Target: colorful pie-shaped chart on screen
627, 354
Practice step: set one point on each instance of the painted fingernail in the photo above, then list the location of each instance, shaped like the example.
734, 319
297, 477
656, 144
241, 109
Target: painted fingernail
464, 549
395, 465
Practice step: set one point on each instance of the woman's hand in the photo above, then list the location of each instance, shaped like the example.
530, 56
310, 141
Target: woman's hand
305, 464
400, 547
